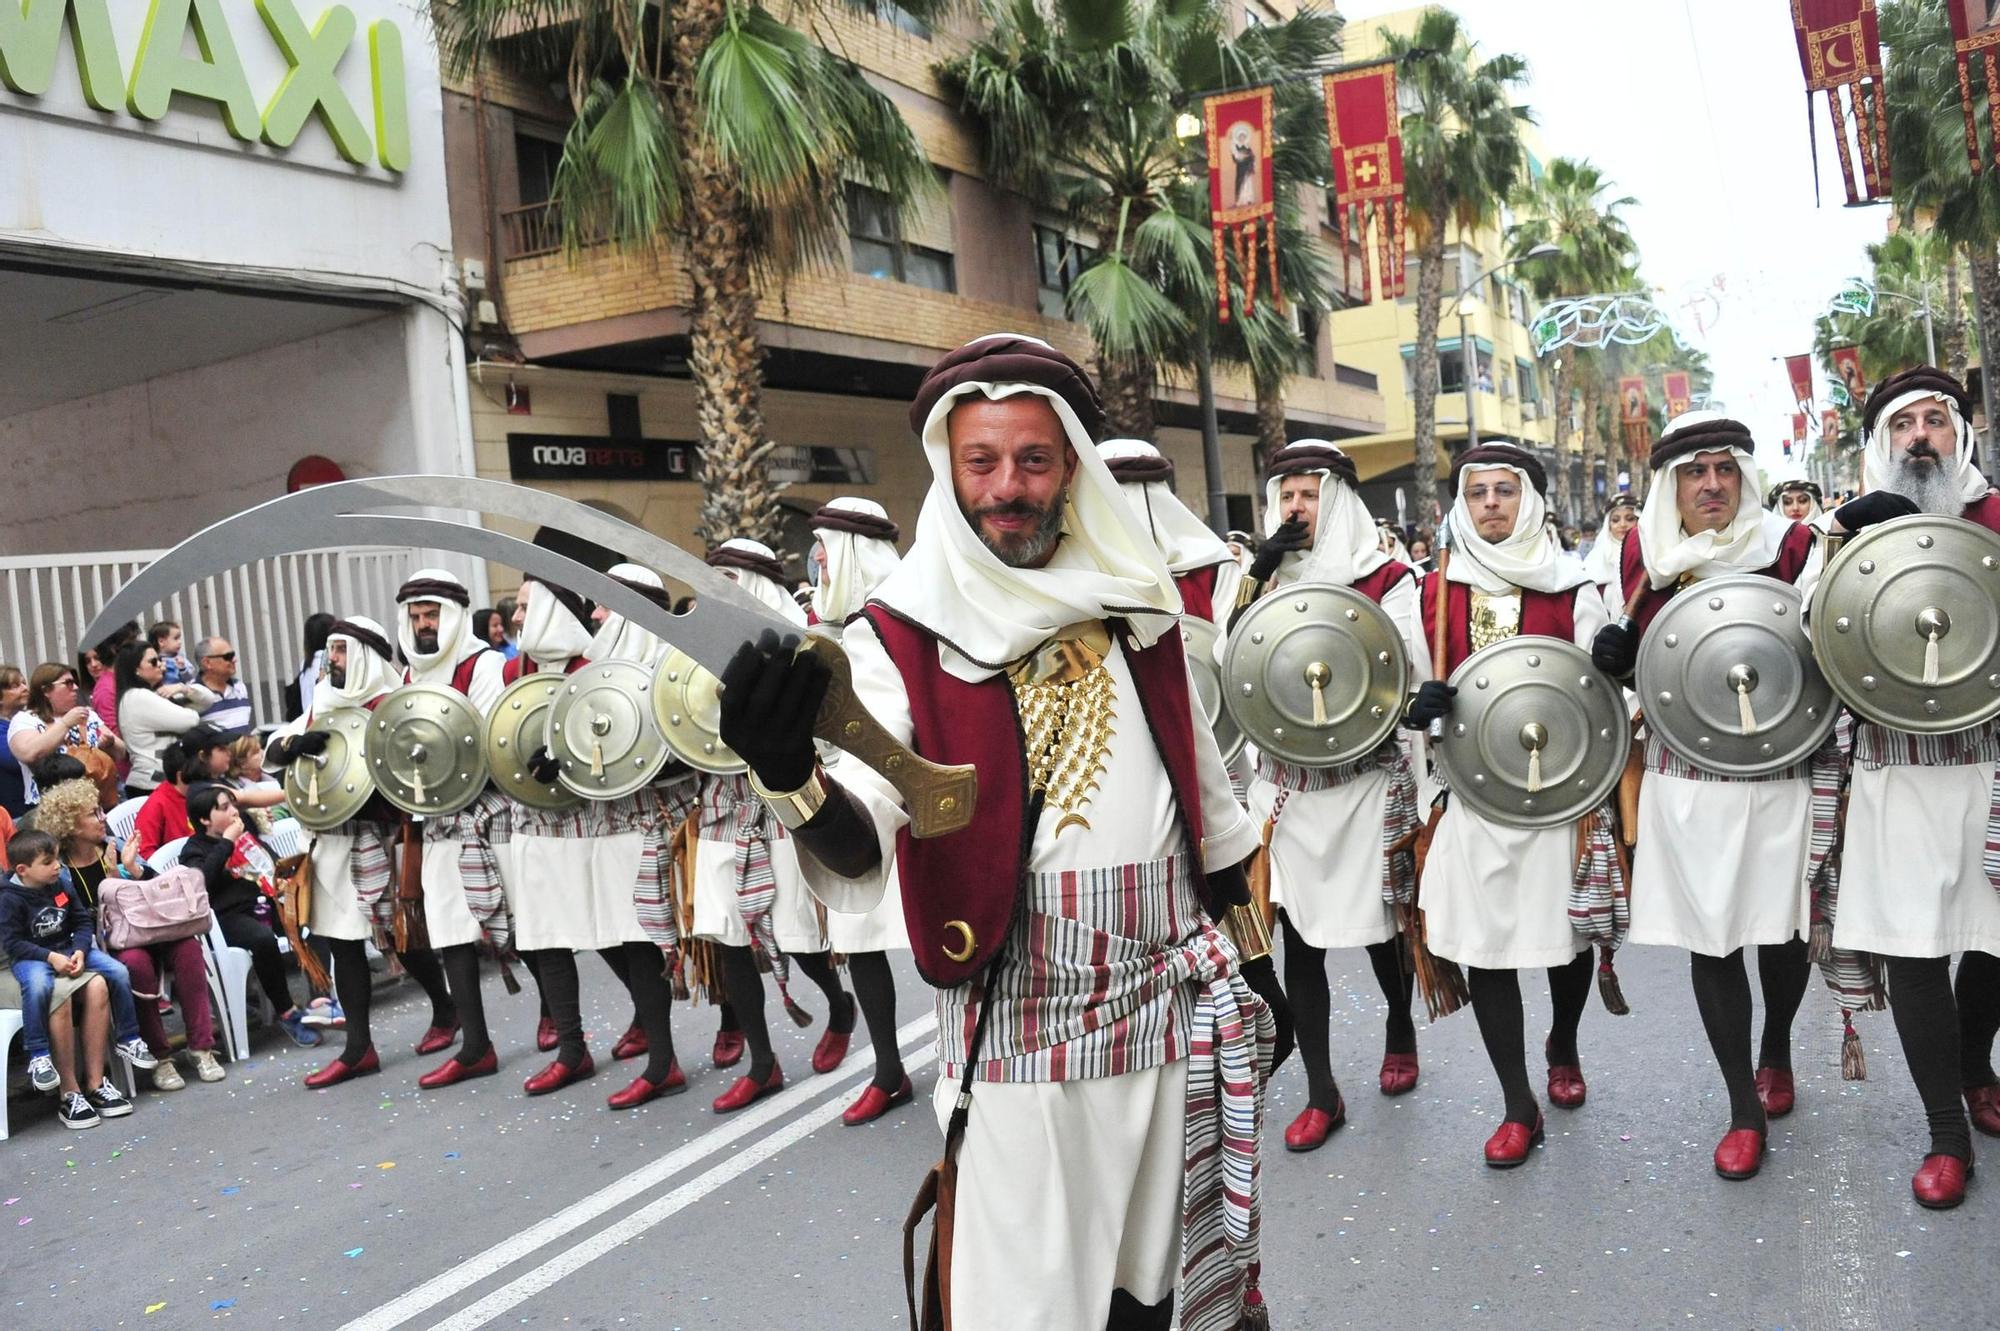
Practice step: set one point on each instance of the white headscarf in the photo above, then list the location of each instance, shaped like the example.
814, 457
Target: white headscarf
1528, 557
761, 586
855, 565
1184, 539
1878, 461
550, 633
455, 637
368, 673
1346, 543
988, 615
1605, 552
618, 638
1748, 544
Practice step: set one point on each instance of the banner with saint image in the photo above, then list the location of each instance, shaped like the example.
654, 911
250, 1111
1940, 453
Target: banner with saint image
1365, 131
1240, 191
1633, 412
1680, 394
1847, 368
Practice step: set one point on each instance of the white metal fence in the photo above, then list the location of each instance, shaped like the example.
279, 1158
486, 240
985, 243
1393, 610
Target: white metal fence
47, 600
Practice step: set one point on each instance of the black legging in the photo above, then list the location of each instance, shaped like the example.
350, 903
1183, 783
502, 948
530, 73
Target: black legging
1927, 1023
1311, 1000
875, 990
354, 990
614, 957
461, 969
745, 988
1722, 996
643, 968
1977, 992
555, 970
1496, 1002
243, 929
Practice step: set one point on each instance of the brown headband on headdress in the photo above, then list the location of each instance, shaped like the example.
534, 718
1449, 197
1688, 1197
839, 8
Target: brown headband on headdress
432, 589
659, 596
1503, 455
367, 637
570, 601
1010, 360
1702, 437
1810, 487
1922, 379
724, 556
1295, 458
830, 518
1141, 470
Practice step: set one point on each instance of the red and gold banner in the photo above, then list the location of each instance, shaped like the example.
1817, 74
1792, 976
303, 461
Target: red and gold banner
1798, 438
1975, 33
1365, 131
1840, 46
1847, 367
1799, 370
1240, 191
1632, 414
1829, 425
1680, 394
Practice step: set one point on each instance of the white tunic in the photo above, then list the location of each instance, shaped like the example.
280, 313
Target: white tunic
336, 910
718, 914
447, 917
572, 892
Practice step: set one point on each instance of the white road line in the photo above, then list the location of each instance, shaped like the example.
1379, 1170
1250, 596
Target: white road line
524, 1287
454, 1281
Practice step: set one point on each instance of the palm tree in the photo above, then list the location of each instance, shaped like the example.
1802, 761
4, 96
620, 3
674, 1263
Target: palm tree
1566, 208
1461, 158
722, 132
1906, 269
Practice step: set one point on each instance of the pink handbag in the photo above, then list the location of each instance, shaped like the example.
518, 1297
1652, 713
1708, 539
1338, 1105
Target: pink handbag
138, 912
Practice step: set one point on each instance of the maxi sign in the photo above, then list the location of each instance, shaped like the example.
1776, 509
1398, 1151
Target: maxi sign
30, 31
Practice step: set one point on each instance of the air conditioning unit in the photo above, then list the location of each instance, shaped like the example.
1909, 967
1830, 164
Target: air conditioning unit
1530, 412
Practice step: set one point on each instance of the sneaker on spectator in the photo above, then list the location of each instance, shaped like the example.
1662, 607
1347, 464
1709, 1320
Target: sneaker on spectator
135, 1052
295, 1026
42, 1073
167, 1077
107, 1101
324, 1011
207, 1067
75, 1111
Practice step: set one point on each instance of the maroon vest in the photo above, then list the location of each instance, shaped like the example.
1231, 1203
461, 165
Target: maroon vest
1985, 511
1543, 615
525, 665
970, 881
1198, 591
1793, 552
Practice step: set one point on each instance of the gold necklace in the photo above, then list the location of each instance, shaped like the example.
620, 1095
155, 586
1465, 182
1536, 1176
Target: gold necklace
1065, 696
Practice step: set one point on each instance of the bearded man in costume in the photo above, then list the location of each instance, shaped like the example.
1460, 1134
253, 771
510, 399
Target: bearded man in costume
1205, 570
1095, 1025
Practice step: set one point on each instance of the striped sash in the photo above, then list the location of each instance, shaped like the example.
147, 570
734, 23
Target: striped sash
731, 811
478, 828
1856, 978
1600, 889
1400, 818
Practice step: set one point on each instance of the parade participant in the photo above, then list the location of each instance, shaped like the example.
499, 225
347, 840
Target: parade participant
1722, 862
1082, 984
855, 553
1601, 563
1329, 829
1798, 500
1497, 899
749, 898
1206, 572
352, 896
1934, 793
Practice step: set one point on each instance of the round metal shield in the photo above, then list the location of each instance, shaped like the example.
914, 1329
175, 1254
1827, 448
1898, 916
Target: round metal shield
687, 704
1199, 639
326, 790
427, 749
1538, 736
1906, 624
518, 726
1314, 674
601, 730
1727, 677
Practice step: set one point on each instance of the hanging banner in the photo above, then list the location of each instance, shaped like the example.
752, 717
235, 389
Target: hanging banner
1799, 370
1798, 439
1847, 368
1680, 395
1365, 131
1829, 425
1632, 414
1975, 32
1840, 47
1240, 191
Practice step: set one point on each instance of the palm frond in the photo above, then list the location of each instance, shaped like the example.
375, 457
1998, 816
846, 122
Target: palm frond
1125, 313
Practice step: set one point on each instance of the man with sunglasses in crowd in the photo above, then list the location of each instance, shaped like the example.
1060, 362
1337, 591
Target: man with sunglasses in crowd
215, 659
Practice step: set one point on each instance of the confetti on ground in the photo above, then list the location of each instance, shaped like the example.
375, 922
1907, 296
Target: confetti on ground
69, 1164
219, 1304
232, 1190
10, 1201
354, 1252
451, 1155
24, 1220
152, 1308
1624, 1136
116, 1154
386, 1164
354, 1185
387, 1104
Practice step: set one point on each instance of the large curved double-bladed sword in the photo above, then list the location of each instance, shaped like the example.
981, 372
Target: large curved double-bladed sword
940, 799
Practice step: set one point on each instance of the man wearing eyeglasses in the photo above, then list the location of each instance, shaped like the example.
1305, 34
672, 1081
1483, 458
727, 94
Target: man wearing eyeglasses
216, 660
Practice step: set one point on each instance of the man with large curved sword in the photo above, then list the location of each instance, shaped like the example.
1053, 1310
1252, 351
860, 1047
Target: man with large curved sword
1723, 862
1499, 899
1932, 794
1097, 1027
1332, 831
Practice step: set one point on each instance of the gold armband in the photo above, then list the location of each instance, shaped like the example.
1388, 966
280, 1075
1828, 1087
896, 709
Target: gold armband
794, 808
1245, 927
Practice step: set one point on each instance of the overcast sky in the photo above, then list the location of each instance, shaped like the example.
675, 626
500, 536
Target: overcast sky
1697, 109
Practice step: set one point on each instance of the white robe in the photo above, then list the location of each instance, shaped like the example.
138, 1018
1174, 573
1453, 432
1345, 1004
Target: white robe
447, 917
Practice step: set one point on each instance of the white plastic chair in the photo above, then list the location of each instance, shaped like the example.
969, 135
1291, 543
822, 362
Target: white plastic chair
123, 820
10, 1030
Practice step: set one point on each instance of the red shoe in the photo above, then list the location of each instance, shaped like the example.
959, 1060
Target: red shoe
1566, 1088
559, 1074
341, 1070
1984, 1104
641, 1090
875, 1102
728, 1048
545, 1034
451, 1072
1399, 1074
438, 1039
1940, 1184
1775, 1090
832, 1047
1310, 1129
631, 1044
1740, 1154
745, 1092
1510, 1143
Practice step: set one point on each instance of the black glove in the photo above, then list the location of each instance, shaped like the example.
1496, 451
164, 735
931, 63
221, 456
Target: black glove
1615, 650
544, 766
1871, 508
1432, 703
1230, 887
1262, 977
1290, 537
307, 744
771, 694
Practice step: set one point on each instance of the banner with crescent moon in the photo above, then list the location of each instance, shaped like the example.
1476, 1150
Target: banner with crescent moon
1975, 33
1840, 48
1365, 130
1240, 191
1799, 370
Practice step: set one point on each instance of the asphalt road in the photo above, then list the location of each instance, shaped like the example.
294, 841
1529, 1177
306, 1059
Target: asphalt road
374, 1206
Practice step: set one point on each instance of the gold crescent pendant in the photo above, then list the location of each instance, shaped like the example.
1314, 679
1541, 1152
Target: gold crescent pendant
1072, 820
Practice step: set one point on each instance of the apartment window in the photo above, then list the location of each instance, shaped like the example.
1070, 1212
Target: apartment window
536, 160
1306, 323
1451, 367
1531, 386
1058, 261
904, 19
1517, 304
876, 241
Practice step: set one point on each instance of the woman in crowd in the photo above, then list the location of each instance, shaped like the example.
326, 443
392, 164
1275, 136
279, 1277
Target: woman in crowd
69, 813
13, 697
151, 712
54, 719
298, 693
